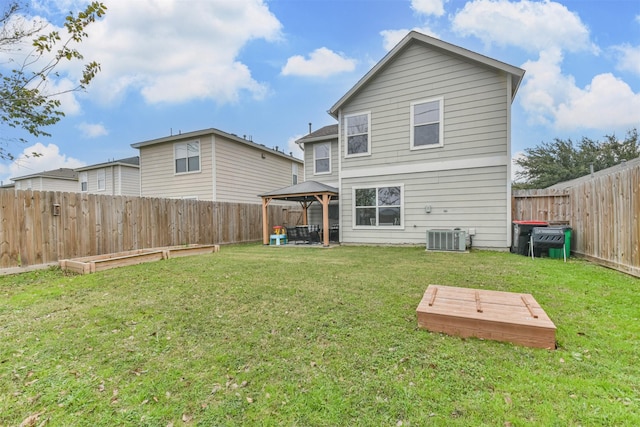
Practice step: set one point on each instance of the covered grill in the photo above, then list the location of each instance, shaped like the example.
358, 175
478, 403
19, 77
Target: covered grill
547, 238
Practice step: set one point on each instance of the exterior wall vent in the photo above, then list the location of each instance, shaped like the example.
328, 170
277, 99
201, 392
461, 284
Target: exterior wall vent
446, 240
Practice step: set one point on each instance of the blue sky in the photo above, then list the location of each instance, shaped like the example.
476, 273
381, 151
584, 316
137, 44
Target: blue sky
266, 69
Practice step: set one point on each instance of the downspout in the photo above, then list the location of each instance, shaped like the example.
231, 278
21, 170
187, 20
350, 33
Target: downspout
508, 201
213, 168
340, 193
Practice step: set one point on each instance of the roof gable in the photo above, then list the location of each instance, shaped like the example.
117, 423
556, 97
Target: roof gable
129, 162
416, 37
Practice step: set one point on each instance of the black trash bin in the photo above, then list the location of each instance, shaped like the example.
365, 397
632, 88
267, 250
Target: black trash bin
521, 233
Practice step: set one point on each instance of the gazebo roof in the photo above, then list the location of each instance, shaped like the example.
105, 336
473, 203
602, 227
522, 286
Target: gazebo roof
305, 191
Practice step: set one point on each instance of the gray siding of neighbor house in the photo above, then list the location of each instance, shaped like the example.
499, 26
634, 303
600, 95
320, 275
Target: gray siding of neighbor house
325, 178
92, 181
48, 184
158, 177
242, 174
476, 125
129, 181
119, 180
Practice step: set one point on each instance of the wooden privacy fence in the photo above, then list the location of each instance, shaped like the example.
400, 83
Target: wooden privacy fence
44, 227
604, 213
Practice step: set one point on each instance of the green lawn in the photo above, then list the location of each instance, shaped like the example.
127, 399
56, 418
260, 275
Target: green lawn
312, 337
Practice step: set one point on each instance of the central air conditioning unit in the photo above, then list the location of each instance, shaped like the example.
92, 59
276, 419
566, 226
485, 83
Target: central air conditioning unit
446, 240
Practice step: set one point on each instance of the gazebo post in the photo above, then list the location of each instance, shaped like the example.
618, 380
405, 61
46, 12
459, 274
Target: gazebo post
326, 198
325, 219
265, 220
305, 206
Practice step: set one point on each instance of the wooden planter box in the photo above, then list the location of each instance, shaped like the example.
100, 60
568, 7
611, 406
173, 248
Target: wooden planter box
494, 315
91, 264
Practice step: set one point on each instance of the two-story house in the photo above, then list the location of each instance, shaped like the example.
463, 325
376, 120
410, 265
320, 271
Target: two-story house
213, 165
423, 141
115, 178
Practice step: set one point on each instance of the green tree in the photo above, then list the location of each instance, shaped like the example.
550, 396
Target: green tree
562, 160
25, 99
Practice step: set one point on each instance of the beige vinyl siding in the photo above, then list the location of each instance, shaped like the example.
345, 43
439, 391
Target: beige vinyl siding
325, 178
52, 184
129, 181
158, 177
475, 108
242, 174
92, 181
465, 198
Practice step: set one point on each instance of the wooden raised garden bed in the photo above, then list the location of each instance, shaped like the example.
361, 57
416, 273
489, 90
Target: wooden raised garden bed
91, 264
494, 315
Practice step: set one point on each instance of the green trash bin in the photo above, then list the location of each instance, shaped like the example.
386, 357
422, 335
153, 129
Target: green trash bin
557, 252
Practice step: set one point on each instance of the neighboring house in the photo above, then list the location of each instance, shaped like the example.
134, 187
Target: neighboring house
63, 179
213, 165
423, 141
114, 178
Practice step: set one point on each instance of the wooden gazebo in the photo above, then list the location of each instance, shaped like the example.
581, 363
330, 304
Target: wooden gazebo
304, 193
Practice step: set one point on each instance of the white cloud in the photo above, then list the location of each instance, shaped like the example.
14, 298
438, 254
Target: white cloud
429, 7
545, 87
552, 98
607, 103
390, 38
628, 58
92, 130
530, 25
294, 148
322, 62
173, 51
49, 158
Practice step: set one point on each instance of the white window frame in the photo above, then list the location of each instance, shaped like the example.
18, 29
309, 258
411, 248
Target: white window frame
294, 173
185, 146
378, 226
315, 159
440, 122
102, 172
346, 135
84, 182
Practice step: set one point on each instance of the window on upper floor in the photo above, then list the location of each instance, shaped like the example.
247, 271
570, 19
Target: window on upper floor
357, 134
102, 184
294, 173
322, 158
187, 156
378, 206
83, 182
426, 123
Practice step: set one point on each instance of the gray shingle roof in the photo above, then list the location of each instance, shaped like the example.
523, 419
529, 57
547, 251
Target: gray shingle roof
62, 173
302, 191
133, 161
